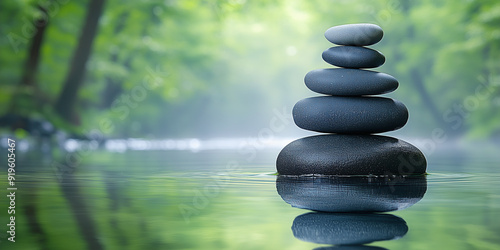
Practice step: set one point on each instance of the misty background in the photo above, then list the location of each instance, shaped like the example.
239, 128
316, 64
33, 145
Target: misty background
204, 69
191, 102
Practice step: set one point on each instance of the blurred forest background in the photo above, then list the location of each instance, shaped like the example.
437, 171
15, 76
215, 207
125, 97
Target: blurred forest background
227, 68
223, 68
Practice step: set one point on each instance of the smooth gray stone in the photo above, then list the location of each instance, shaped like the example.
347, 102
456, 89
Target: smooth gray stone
348, 229
360, 34
337, 154
350, 82
351, 194
353, 57
350, 115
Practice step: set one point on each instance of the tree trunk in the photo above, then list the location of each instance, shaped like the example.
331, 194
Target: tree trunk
114, 86
419, 83
34, 53
31, 64
427, 99
66, 102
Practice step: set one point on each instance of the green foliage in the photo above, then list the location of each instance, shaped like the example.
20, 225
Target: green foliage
225, 65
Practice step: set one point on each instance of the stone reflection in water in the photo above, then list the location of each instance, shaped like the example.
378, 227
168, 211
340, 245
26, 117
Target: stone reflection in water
354, 247
351, 194
345, 207
348, 229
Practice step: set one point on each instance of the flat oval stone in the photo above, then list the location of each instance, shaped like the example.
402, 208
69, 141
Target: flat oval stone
351, 194
361, 34
348, 229
350, 82
336, 154
350, 115
353, 57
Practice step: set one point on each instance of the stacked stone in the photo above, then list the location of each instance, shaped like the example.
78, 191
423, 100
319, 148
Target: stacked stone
349, 112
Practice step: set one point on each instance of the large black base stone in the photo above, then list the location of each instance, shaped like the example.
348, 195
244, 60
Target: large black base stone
351, 194
337, 154
348, 229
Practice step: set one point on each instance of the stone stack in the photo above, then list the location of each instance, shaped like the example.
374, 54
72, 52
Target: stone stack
349, 112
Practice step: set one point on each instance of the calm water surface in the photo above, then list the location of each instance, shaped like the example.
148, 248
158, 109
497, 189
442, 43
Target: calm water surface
225, 199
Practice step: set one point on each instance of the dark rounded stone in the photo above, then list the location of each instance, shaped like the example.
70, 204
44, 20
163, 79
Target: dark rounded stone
353, 57
360, 34
348, 229
349, 155
350, 82
351, 194
350, 115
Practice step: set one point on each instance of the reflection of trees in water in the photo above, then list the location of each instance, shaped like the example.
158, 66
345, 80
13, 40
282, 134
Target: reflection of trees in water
36, 171
70, 189
28, 192
30, 211
114, 189
115, 185
119, 213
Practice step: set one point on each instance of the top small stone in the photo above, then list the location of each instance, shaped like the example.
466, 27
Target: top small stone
361, 34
